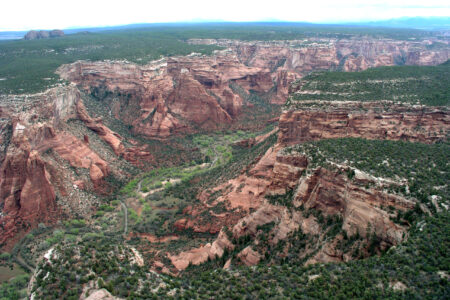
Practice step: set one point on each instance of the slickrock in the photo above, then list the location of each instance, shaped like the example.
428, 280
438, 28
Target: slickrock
200, 255
101, 294
249, 257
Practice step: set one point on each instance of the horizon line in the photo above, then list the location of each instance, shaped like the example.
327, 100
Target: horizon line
197, 21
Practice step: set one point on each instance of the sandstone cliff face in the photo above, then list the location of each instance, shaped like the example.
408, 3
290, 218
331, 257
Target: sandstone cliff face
303, 56
137, 155
329, 192
366, 120
36, 183
360, 202
184, 94
173, 95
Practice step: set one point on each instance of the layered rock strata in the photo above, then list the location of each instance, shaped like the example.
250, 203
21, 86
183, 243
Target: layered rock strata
371, 120
360, 202
37, 183
185, 94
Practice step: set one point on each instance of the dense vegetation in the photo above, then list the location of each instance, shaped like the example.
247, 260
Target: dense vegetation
416, 269
172, 189
28, 66
94, 258
16, 288
420, 265
412, 84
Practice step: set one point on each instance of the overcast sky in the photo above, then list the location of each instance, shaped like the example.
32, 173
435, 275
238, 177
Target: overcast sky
61, 14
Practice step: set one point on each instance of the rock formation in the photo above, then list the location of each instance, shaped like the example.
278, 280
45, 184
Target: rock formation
43, 34
303, 56
359, 202
184, 94
367, 120
173, 96
53, 152
330, 192
39, 147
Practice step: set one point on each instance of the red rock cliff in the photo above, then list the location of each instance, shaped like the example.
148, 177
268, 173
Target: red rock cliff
182, 94
366, 120
36, 183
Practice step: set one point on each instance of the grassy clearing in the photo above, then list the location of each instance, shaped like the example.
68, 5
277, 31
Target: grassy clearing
6, 273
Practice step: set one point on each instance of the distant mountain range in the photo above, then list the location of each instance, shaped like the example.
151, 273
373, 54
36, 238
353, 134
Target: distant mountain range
425, 23
432, 23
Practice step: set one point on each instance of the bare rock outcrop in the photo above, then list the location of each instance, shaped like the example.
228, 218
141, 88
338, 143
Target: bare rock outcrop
181, 94
173, 95
360, 203
43, 34
40, 152
249, 257
200, 255
138, 155
364, 119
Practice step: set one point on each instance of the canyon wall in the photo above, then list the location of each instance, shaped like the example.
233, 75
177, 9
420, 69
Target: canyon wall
190, 93
289, 177
53, 153
368, 120
48, 167
176, 95
354, 54
281, 187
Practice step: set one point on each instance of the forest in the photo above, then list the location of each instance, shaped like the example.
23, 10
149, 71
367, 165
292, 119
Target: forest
427, 85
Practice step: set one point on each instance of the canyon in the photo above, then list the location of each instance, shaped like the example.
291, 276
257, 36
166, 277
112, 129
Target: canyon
46, 158
186, 94
360, 202
58, 156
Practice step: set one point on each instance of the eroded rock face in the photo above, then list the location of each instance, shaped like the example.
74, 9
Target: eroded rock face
200, 255
330, 192
324, 53
366, 120
173, 95
26, 191
138, 155
360, 202
249, 257
185, 94
182, 94
100, 294
38, 149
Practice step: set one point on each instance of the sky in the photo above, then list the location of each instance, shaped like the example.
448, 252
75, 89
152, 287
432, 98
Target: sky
62, 14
